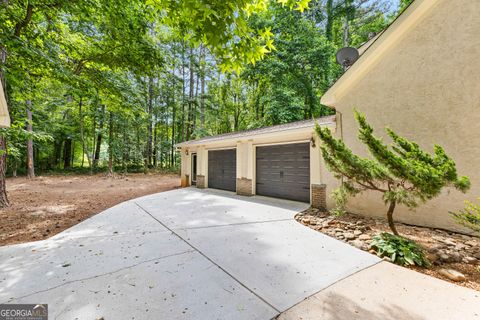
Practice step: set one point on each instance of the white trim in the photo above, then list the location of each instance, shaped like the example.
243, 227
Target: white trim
220, 148
280, 143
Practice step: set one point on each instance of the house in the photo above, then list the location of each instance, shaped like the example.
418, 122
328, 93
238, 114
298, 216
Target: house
4, 115
420, 77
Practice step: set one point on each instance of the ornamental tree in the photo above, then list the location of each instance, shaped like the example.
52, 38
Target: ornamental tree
402, 172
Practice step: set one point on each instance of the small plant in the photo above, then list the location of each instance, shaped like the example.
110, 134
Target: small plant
469, 216
400, 250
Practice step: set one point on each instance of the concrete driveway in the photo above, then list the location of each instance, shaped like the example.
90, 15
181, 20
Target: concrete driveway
204, 254
182, 254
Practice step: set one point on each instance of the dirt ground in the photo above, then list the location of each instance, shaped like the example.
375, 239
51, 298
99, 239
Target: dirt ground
47, 205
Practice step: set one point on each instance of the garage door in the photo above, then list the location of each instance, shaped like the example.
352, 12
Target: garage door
222, 169
283, 171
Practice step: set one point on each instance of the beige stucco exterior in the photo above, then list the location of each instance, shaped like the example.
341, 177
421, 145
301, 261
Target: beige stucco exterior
421, 78
4, 115
245, 150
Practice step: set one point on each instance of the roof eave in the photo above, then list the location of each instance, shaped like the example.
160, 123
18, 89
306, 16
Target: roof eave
250, 136
376, 50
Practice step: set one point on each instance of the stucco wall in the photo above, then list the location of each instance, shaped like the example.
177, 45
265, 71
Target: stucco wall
427, 88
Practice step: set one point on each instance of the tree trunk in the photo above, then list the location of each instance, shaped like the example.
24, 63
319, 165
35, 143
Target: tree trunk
57, 154
30, 166
182, 124
67, 153
349, 16
155, 142
391, 224
148, 149
82, 134
99, 139
174, 121
329, 25
110, 145
190, 98
92, 156
3, 161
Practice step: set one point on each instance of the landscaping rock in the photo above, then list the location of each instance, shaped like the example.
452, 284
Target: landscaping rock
448, 242
455, 256
349, 236
436, 248
358, 244
432, 257
453, 275
444, 257
470, 260
471, 243
364, 237
306, 220
357, 233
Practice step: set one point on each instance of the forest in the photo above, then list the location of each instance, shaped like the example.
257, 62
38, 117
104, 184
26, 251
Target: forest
112, 85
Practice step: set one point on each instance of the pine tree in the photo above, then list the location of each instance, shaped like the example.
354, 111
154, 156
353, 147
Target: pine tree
402, 172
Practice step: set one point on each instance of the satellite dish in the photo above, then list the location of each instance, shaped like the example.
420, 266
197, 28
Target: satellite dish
347, 56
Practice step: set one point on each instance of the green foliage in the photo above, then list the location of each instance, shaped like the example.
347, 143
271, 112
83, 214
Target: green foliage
223, 27
400, 250
167, 71
340, 195
402, 171
469, 216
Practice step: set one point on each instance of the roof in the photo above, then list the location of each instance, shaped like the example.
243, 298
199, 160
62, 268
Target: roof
375, 49
264, 130
4, 115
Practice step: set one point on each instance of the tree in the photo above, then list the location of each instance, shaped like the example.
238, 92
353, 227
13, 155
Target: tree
30, 167
402, 172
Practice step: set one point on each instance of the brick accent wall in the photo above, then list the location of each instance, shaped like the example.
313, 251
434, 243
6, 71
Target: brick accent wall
319, 196
200, 181
244, 187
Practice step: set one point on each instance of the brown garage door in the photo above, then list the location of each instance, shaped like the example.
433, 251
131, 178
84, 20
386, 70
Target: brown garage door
222, 169
283, 171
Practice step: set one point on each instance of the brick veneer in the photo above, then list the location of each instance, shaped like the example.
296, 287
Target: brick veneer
200, 181
244, 187
319, 196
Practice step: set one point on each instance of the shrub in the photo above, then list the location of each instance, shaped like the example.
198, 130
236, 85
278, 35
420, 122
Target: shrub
400, 250
402, 172
469, 216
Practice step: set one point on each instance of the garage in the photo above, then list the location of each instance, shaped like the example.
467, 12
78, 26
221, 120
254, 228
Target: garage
222, 169
283, 171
